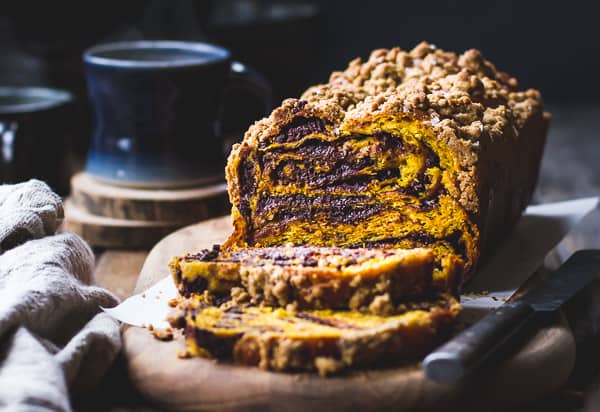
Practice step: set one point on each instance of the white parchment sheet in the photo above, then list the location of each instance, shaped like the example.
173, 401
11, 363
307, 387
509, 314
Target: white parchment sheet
540, 229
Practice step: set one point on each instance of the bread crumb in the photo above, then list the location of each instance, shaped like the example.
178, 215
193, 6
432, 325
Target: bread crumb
176, 318
328, 366
382, 305
162, 334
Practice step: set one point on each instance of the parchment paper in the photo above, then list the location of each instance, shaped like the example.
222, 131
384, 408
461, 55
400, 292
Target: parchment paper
540, 229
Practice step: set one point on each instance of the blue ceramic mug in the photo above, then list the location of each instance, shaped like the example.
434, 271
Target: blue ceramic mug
156, 107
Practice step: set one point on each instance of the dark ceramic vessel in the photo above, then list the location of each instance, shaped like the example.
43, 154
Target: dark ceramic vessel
156, 111
35, 135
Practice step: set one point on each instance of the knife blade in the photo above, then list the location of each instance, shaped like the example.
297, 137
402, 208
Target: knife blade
476, 345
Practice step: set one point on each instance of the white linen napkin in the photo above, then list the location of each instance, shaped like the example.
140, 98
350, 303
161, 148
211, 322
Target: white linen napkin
53, 340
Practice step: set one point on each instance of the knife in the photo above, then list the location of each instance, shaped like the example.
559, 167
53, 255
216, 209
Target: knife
475, 347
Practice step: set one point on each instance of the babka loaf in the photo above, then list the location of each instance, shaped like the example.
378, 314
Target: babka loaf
359, 209
374, 280
425, 148
326, 341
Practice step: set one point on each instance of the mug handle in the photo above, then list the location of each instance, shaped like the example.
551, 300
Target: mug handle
245, 78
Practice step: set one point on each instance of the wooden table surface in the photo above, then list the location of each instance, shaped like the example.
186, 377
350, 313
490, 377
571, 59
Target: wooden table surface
570, 169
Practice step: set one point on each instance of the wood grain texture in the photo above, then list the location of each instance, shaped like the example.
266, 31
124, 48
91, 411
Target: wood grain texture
570, 166
201, 384
182, 206
118, 271
106, 232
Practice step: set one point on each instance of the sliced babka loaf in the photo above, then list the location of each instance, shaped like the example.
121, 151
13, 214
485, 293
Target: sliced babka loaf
425, 148
359, 209
326, 341
374, 280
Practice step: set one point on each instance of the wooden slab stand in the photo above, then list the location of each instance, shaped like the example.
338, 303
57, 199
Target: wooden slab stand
174, 205
539, 366
110, 216
107, 232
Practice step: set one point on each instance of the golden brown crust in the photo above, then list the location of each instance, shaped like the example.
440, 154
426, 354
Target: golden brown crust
464, 99
444, 85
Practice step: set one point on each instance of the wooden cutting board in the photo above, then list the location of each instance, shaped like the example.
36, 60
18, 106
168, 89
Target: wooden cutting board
541, 364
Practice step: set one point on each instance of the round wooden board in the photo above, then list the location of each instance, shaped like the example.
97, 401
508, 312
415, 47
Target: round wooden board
541, 365
182, 206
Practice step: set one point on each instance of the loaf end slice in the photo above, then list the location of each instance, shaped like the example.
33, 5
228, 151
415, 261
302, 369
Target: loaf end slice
325, 341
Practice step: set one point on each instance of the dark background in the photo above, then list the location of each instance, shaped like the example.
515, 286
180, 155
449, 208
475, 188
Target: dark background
549, 45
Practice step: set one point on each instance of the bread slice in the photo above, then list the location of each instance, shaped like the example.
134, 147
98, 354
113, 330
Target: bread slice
326, 341
374, 280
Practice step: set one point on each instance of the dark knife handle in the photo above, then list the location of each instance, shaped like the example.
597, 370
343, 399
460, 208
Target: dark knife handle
469, 350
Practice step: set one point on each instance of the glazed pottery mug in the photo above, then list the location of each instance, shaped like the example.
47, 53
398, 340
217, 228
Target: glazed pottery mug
35, 134
157, 109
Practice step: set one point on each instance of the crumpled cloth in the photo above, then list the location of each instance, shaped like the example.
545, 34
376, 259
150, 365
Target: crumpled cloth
54, 339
